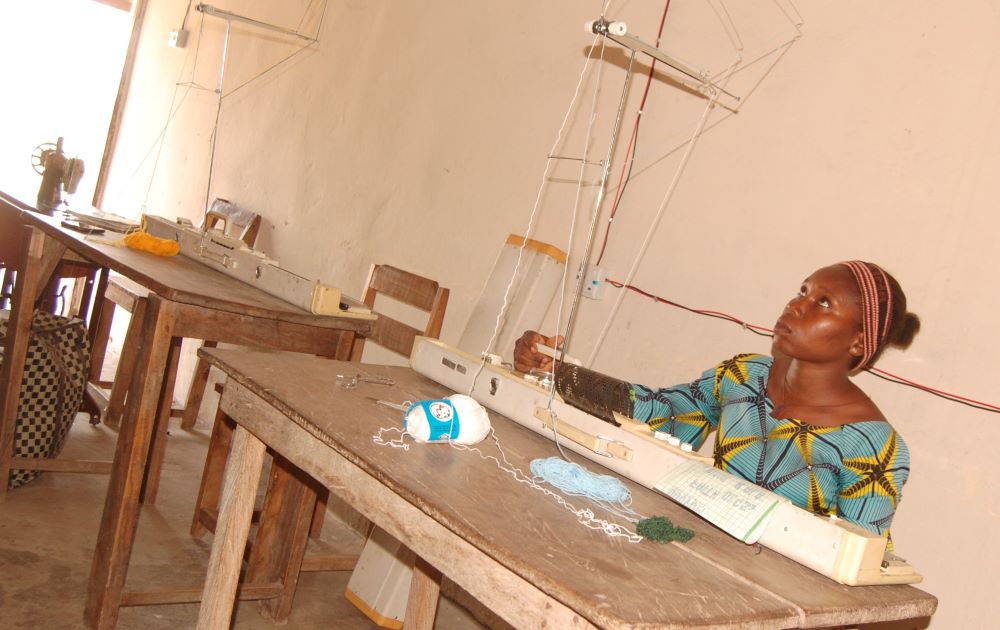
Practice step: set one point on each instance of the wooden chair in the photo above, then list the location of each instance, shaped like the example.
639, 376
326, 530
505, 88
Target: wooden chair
123, 293
402, 286
383, 280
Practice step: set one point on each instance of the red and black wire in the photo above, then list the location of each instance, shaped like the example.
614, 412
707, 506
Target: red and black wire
763, 331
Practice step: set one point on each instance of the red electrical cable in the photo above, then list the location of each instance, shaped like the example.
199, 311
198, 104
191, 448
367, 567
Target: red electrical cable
630, 150
931, 390
762, 330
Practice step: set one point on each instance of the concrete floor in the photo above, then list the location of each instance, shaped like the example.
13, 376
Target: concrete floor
48, 529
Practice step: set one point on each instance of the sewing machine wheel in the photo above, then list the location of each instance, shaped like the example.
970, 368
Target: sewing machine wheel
39, 155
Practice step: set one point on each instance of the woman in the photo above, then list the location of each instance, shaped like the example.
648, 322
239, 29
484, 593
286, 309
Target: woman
793, 423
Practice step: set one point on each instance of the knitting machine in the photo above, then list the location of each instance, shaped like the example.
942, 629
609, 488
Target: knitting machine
231, 256
836, 548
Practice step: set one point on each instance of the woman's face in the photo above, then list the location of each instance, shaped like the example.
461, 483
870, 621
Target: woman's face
823, 322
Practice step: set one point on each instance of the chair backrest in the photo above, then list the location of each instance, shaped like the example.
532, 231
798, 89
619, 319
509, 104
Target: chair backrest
408, 288
239, 222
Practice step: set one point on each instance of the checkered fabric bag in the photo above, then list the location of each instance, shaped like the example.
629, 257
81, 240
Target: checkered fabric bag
52, 390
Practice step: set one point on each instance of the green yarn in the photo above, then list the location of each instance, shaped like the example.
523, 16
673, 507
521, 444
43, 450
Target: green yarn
660, 529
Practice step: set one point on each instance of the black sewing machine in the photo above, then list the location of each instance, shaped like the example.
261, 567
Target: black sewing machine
58, 172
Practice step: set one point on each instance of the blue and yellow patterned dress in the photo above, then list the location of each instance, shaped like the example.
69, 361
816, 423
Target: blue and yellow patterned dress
855, 471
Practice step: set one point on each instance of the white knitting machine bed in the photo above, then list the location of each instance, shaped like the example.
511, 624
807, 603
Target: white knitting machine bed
232, 257
838, 549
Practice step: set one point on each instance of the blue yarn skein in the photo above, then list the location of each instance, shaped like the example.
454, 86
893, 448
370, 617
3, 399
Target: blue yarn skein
576, 480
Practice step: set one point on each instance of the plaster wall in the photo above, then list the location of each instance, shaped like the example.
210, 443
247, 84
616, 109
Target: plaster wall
416, 134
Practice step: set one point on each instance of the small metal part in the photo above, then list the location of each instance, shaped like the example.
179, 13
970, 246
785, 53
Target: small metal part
351, 382
374, 380
542, 377
346, 382
493, 359
403, 406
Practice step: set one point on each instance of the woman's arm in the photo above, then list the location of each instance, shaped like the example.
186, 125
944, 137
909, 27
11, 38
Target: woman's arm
875, 465
690, 411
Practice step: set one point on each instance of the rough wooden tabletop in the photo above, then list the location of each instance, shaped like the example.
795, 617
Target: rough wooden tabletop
710, 581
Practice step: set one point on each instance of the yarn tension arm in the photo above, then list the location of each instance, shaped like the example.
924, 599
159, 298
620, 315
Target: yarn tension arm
618, 33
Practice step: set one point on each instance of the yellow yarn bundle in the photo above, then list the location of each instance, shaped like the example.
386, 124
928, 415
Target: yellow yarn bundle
143, 241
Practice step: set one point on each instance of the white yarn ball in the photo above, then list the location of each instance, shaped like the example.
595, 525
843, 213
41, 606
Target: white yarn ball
463, 412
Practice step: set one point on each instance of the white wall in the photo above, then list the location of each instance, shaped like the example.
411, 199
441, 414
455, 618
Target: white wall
416, 134
51, 93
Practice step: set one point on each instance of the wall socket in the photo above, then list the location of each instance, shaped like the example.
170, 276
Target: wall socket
178, 39
594, 282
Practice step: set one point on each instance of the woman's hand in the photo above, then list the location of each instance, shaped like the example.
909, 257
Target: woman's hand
526, 356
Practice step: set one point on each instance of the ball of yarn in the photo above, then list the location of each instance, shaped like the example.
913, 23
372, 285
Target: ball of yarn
459, 419
576, 480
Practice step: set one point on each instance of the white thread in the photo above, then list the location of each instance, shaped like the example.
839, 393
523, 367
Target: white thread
395, 443
534, 210
584, 516
654, 224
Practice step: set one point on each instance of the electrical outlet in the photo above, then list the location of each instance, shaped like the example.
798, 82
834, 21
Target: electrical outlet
594, 282
178, 39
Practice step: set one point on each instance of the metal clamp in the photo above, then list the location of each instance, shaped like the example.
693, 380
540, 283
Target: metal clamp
609, 447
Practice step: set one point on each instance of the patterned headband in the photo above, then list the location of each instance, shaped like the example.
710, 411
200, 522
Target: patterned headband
874, 320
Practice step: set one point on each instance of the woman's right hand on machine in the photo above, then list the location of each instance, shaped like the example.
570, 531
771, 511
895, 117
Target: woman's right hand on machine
526, 354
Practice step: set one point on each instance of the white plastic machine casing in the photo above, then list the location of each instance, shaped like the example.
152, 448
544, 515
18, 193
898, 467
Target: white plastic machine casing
839, 550
233, 258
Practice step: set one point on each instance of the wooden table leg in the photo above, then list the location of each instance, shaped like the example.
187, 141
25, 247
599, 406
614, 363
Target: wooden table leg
38, 261
100, 327
121, 505
159, 445
210, 490
126, 364
197, 390
425, 590
238, 495
280, 544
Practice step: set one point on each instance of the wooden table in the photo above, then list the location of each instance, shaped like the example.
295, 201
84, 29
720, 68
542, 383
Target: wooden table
186, 299
508, 545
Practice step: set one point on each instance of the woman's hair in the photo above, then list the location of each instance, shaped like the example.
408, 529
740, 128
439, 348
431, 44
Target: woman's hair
885, 320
